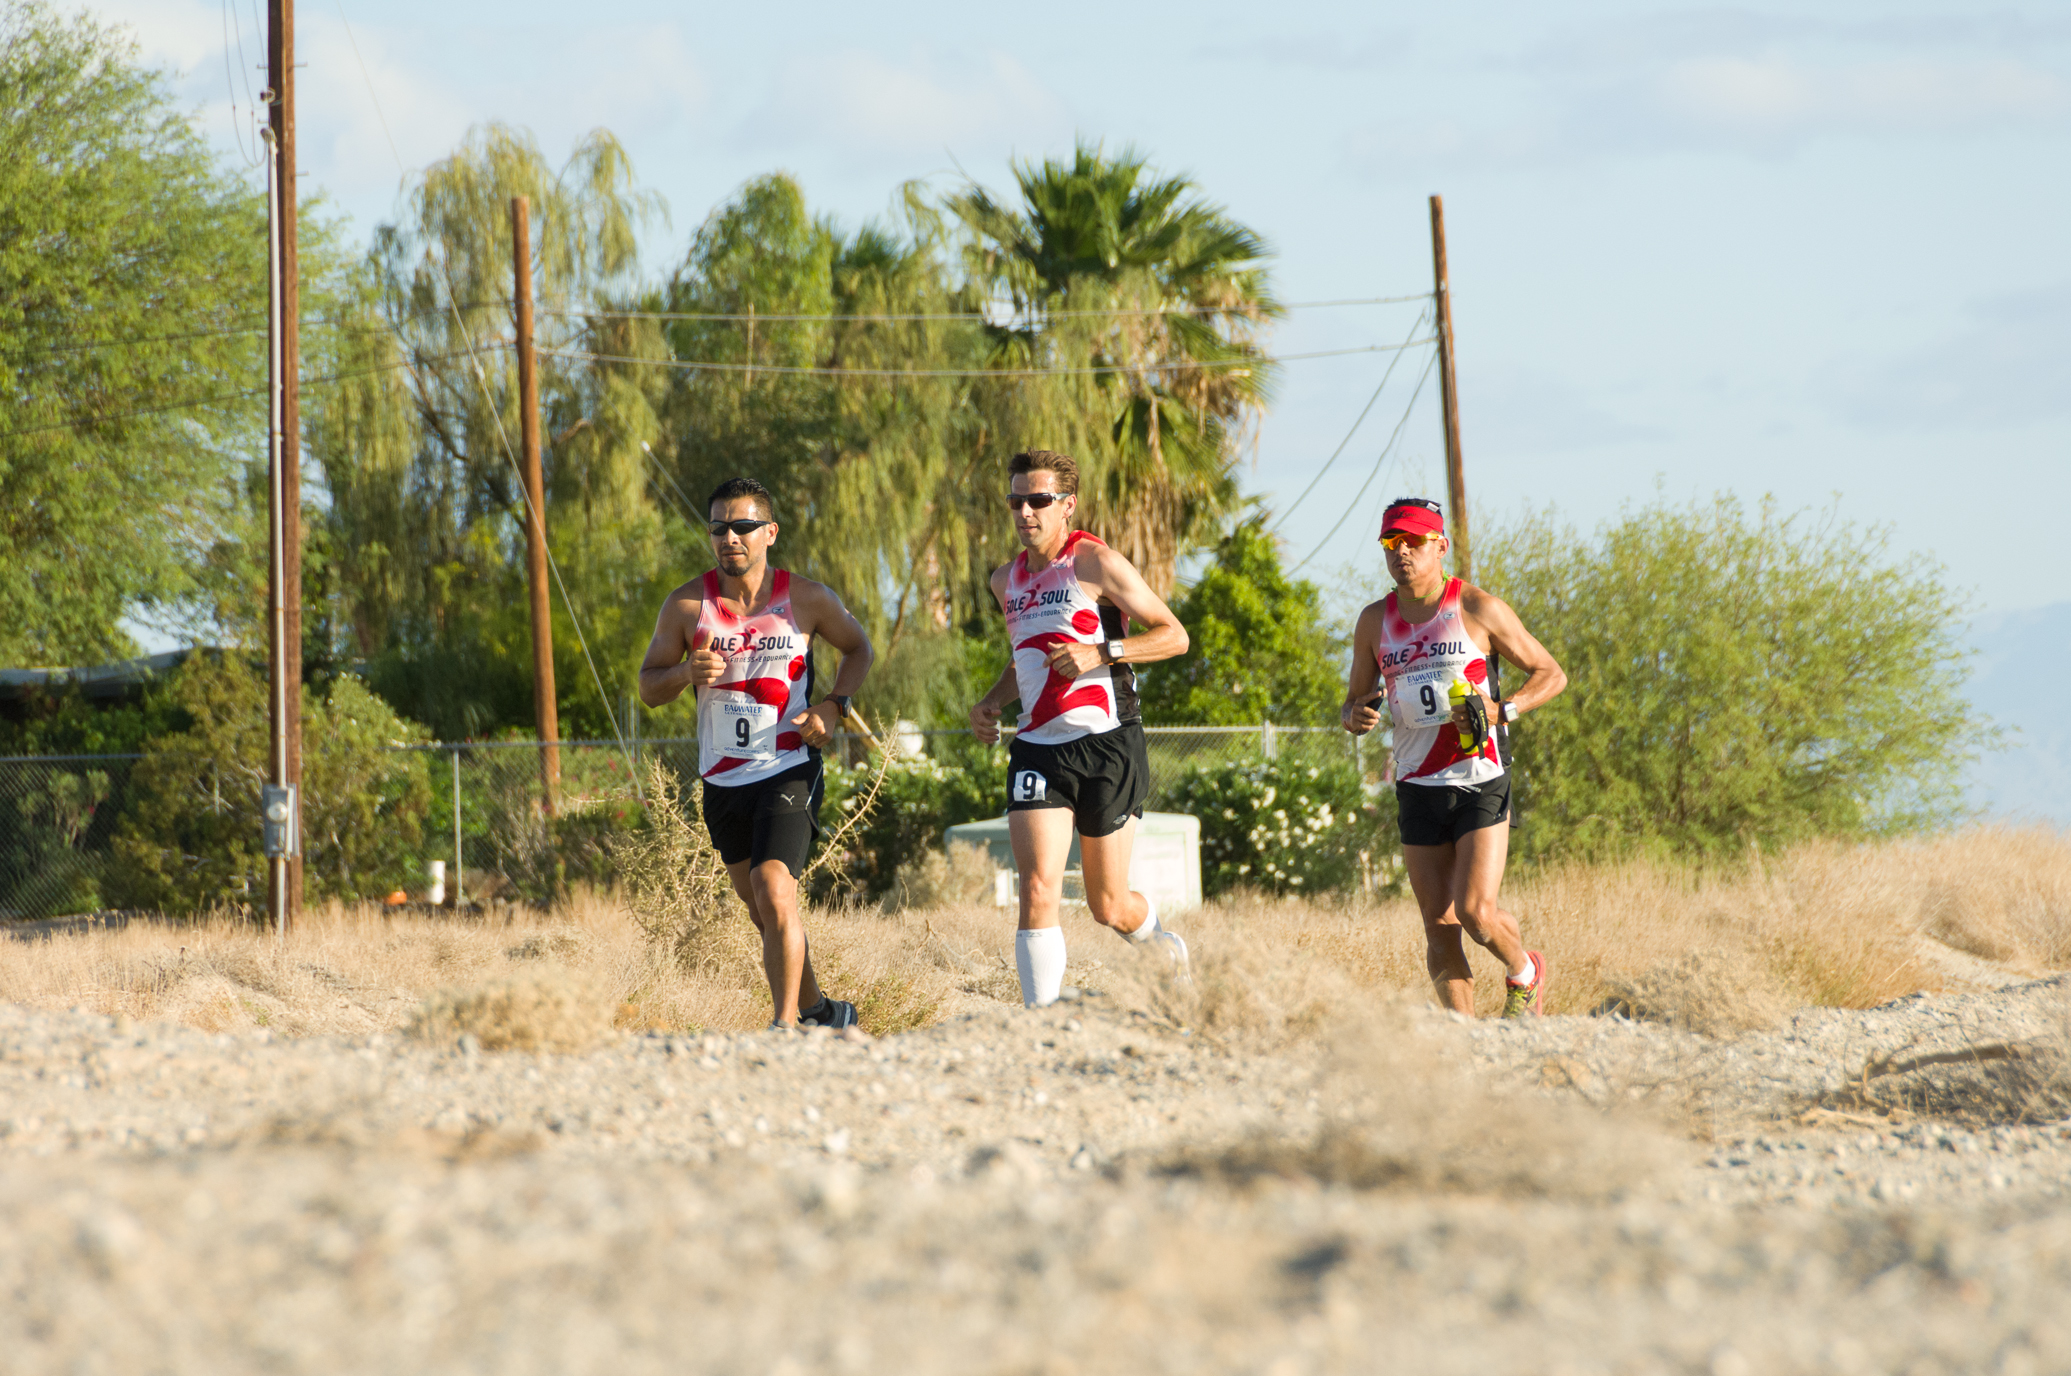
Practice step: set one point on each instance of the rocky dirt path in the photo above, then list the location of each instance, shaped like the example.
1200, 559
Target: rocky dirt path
1022, 1192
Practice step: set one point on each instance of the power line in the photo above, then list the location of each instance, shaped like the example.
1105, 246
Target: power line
965, 315
1361, 420
1180, 365
199, 403
1386, 449
311, 322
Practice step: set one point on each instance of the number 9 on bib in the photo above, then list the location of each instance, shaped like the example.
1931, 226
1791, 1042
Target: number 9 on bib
1027, 786
741, 730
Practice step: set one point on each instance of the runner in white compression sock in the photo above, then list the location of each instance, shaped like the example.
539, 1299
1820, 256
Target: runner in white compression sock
1039, 958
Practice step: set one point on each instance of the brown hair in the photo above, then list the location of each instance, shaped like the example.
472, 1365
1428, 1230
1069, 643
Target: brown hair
1047, 461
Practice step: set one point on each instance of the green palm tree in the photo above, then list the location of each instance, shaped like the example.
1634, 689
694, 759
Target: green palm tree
1106, 265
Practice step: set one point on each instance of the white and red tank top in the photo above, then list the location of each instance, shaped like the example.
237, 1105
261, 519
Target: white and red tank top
1419, 665
744, 720
1047, 606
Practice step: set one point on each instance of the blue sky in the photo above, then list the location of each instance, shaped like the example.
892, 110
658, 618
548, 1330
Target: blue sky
1815, 253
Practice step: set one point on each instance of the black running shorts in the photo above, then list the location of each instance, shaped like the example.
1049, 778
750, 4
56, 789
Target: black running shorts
1439, 814
771, 819
1103, 779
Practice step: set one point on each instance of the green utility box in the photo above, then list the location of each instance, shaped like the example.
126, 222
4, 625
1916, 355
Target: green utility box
1164, 864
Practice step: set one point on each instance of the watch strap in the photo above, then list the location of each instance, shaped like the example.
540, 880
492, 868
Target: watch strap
840, 701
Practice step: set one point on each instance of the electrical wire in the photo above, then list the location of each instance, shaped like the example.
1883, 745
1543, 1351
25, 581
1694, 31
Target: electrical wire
964, 315
1361, 420
199, 403
503, 435
311, 322
1181, 365
1386, 449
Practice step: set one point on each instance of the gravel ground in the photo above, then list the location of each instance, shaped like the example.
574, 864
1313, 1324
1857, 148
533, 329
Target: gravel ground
1003, 1193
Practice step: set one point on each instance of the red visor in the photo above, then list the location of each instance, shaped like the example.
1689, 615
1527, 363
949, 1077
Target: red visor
1418, 520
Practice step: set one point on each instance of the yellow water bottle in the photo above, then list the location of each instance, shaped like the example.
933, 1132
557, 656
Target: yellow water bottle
1457, 694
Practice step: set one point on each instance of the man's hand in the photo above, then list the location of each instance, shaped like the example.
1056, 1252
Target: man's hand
1360, 717
707, 666
1072, 658
818, 723
1488, 707
985, 721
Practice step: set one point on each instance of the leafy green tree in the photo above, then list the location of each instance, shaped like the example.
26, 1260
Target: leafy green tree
1104, 265
1260, 651
1734, 677
132, 331
189, 838
424, 535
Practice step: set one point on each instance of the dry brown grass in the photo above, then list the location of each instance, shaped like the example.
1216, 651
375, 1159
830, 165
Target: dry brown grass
544, 1009
1822, 924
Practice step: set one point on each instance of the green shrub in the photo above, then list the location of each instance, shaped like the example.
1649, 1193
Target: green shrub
1283, 826
190, 838
1734, 677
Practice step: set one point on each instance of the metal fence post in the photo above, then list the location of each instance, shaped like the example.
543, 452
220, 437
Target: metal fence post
1268, 743
459, 868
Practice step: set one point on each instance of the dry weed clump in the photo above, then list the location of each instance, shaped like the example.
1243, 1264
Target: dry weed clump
1714, 992
676, 886
543, 1009
942, 878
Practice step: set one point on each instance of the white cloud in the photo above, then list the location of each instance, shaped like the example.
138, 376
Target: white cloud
864, 105
1776, 97
1742, 82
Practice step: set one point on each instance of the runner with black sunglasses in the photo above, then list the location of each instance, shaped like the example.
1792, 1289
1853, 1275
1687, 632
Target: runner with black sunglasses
1078, 760
1426, 645
742, 636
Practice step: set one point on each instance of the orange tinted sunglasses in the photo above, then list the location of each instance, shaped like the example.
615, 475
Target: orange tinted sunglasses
1411, 539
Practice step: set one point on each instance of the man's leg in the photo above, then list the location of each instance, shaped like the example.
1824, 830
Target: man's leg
762, 912
1104, 861
1431, 870
1478, 858
1042, 839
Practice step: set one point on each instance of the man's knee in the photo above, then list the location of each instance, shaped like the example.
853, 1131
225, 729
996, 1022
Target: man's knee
1108, 906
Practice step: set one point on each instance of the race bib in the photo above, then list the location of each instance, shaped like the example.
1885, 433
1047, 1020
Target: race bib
1027, 786
740, 728
1418, 699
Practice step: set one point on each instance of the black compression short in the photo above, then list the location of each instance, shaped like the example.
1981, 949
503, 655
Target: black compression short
771, 819
1438, 814
1103, 779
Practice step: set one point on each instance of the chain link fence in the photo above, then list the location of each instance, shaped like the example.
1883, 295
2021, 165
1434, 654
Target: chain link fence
60, 814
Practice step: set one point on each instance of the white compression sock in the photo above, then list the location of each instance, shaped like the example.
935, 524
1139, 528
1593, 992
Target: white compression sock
1039, 958
1528, 976
1149, 928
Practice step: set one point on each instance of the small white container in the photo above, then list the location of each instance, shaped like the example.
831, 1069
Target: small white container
435, 875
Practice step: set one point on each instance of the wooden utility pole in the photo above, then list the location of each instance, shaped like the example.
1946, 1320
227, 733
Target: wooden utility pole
1455, 468
285, 567
544, 706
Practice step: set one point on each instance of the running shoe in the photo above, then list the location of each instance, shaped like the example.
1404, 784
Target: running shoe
1520, 999
1175, 946
834, 1013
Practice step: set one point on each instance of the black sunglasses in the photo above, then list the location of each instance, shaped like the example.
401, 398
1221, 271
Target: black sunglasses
1035, 500
741, 528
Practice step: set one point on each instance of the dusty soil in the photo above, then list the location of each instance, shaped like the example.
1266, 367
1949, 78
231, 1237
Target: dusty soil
1078, 1189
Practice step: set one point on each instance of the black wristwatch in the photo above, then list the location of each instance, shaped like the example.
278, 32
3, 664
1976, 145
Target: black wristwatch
840, 701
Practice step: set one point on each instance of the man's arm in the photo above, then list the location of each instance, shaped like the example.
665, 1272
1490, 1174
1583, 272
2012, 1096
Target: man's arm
1356, 715
677, 658
826, 616
985, 716
1544, 678
1123, 587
